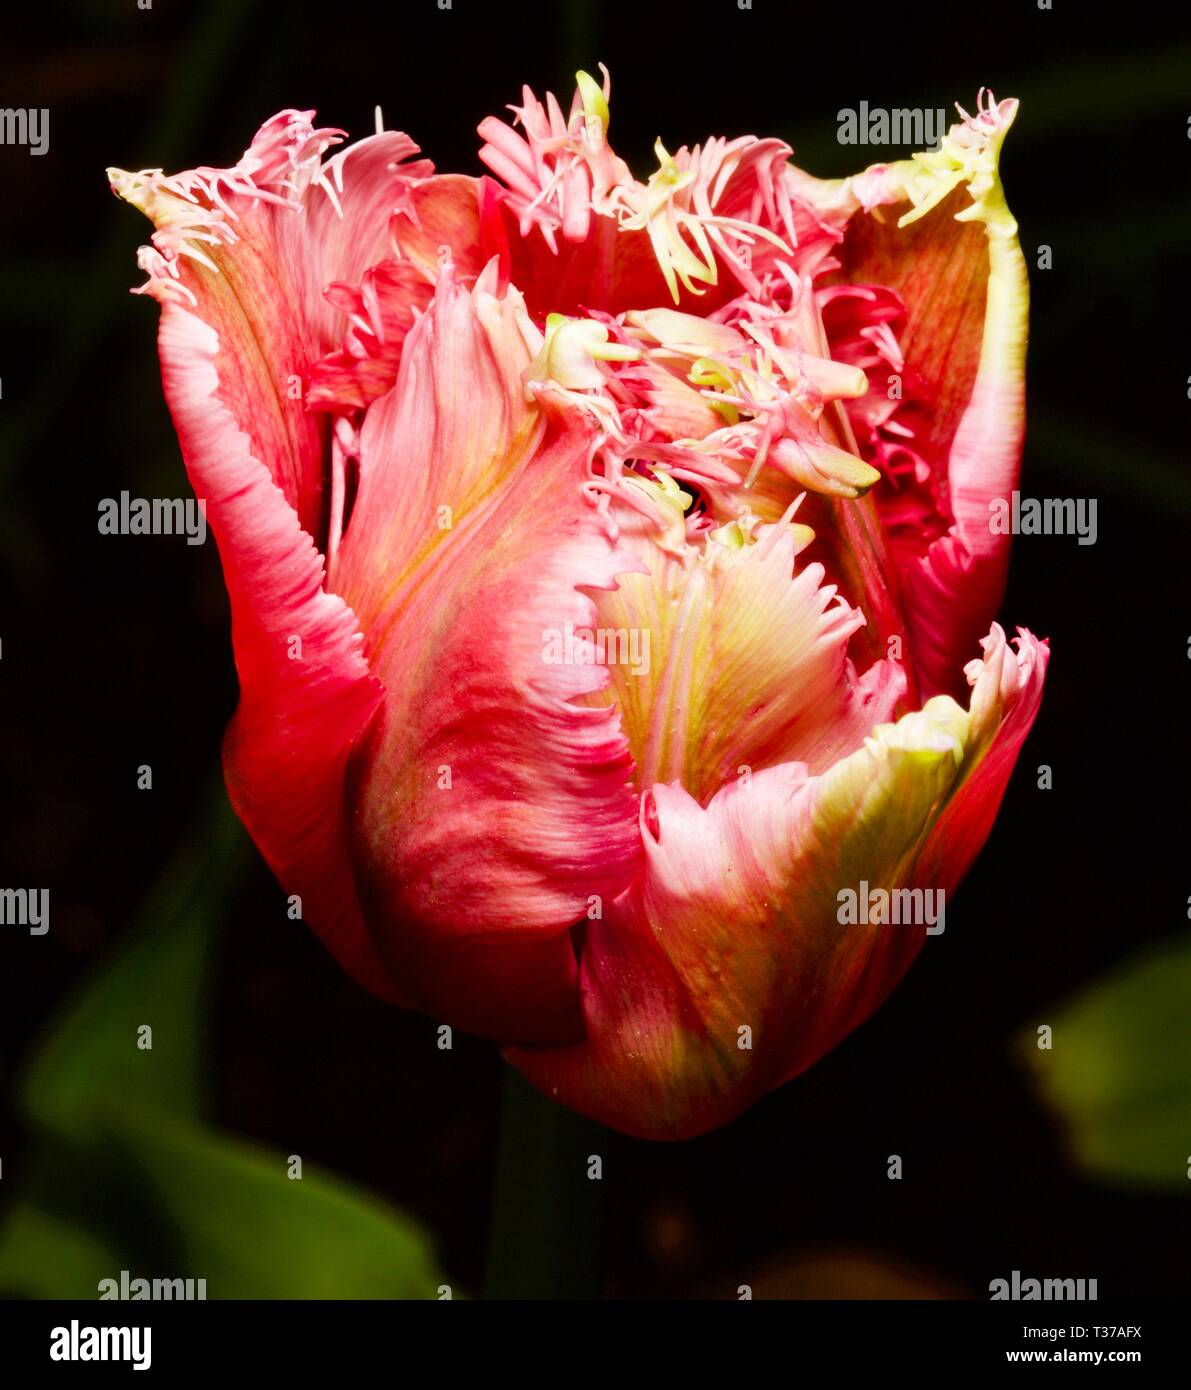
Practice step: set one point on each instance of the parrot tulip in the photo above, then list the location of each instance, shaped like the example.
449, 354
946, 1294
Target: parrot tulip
610, 572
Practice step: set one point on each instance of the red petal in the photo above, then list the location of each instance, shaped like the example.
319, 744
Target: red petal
488, 805
286, 748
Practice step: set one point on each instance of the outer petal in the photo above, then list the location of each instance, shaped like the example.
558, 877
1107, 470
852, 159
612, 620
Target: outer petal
305, 689
952, 258
1007, 690
250, 249
734, 924
488, 804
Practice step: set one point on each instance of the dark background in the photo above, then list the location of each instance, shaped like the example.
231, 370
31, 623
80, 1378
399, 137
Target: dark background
115, 651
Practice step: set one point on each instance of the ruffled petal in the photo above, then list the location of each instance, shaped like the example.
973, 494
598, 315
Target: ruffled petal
584, 235
249, 250
1006, 693
489, 805
305, 690
953, 443
727, 967
741, 655
381, 310
765, 367
437, 222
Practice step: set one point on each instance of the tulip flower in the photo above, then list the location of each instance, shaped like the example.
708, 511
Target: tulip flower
611, 580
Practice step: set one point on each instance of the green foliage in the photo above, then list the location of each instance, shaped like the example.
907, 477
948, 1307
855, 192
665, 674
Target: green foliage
1118, 1073
122, 1171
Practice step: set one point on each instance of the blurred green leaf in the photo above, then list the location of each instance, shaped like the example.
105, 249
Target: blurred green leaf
40, 1249
123, 1173
252, 1231
1119, 1070
91, 1060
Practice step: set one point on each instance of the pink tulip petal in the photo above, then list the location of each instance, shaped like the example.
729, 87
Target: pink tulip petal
734, 924
1006, 694
955, 264
585, 235
442, 213
305, 690
747, 659
382, 309
250, 249
489, 805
